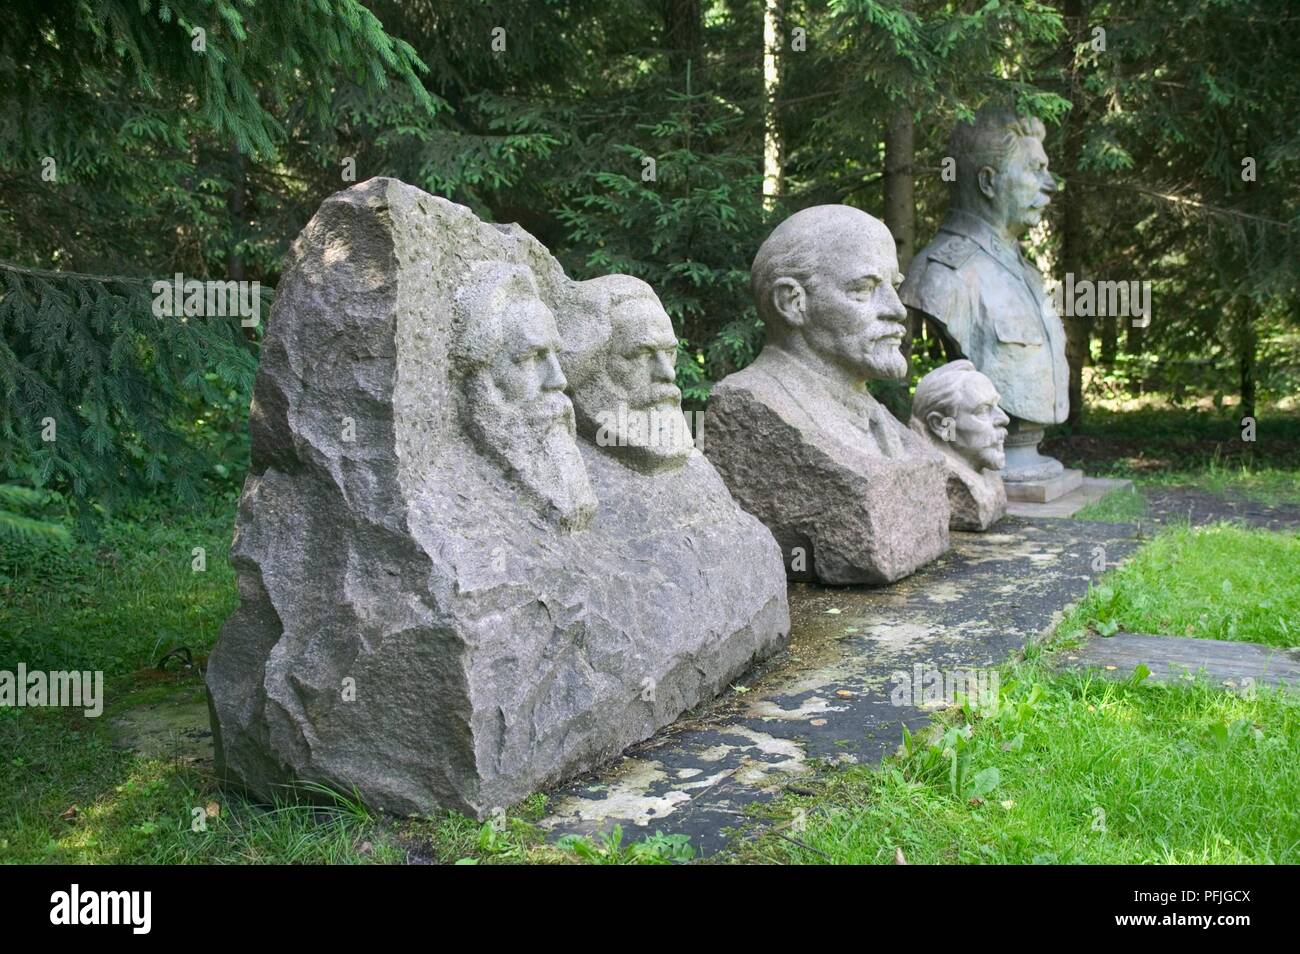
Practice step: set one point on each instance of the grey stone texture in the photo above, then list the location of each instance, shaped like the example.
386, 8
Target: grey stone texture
977, 289
955, 409
449, 599
849, 492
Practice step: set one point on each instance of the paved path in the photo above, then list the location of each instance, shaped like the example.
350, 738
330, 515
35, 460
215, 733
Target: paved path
828, 697
1199, 507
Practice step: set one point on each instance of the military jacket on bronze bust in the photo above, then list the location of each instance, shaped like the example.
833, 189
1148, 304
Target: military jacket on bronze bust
990, 304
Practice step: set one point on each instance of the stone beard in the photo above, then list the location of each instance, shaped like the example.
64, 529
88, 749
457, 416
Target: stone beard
514, 405
621, 357
956, 409
980, 293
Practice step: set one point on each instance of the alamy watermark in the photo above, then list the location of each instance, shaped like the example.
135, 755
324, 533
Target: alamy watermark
659, 426
941, 687
129, 908
61, 688
1085, 298
191, 298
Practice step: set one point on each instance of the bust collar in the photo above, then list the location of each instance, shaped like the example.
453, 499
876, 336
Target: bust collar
857, 402
810, 391
960, 222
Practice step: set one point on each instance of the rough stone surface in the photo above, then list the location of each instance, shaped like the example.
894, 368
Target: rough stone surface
955, 409
977, 500
448, 601
852, 516
849, 492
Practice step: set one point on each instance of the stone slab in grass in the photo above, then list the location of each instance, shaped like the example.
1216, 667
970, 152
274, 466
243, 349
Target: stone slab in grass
1090, 490
1046, 490
1175, 658
833, 696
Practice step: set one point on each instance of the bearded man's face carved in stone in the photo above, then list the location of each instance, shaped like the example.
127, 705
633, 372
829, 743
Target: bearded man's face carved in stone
643, 357
632, 401
519, 413
526, 372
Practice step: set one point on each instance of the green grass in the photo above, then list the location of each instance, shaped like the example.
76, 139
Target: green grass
1272, 487
1216, 582
120, 602
1118, 506
1072, 769
1267, 485
1156, 446
1182, 773
68, 794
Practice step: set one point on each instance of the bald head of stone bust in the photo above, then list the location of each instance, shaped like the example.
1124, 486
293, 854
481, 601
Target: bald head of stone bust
825, 283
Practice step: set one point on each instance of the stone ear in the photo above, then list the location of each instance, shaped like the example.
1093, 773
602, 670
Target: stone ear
789, 300
987, 178
943, 427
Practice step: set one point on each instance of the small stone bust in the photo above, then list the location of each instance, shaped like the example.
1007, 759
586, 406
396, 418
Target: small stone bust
956, 408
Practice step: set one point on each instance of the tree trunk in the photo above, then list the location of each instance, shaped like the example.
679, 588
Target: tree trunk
683, 36
900, 197
1109, 340
1077, 332
235, 201
1247, 346
772, 144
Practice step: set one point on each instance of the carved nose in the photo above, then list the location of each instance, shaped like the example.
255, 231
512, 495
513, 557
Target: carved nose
894, 310
665, 368
554, 380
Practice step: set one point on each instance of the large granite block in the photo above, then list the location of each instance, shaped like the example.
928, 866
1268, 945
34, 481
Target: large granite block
449, 598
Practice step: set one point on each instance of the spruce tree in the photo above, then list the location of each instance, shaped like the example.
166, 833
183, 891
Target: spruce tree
137, 140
